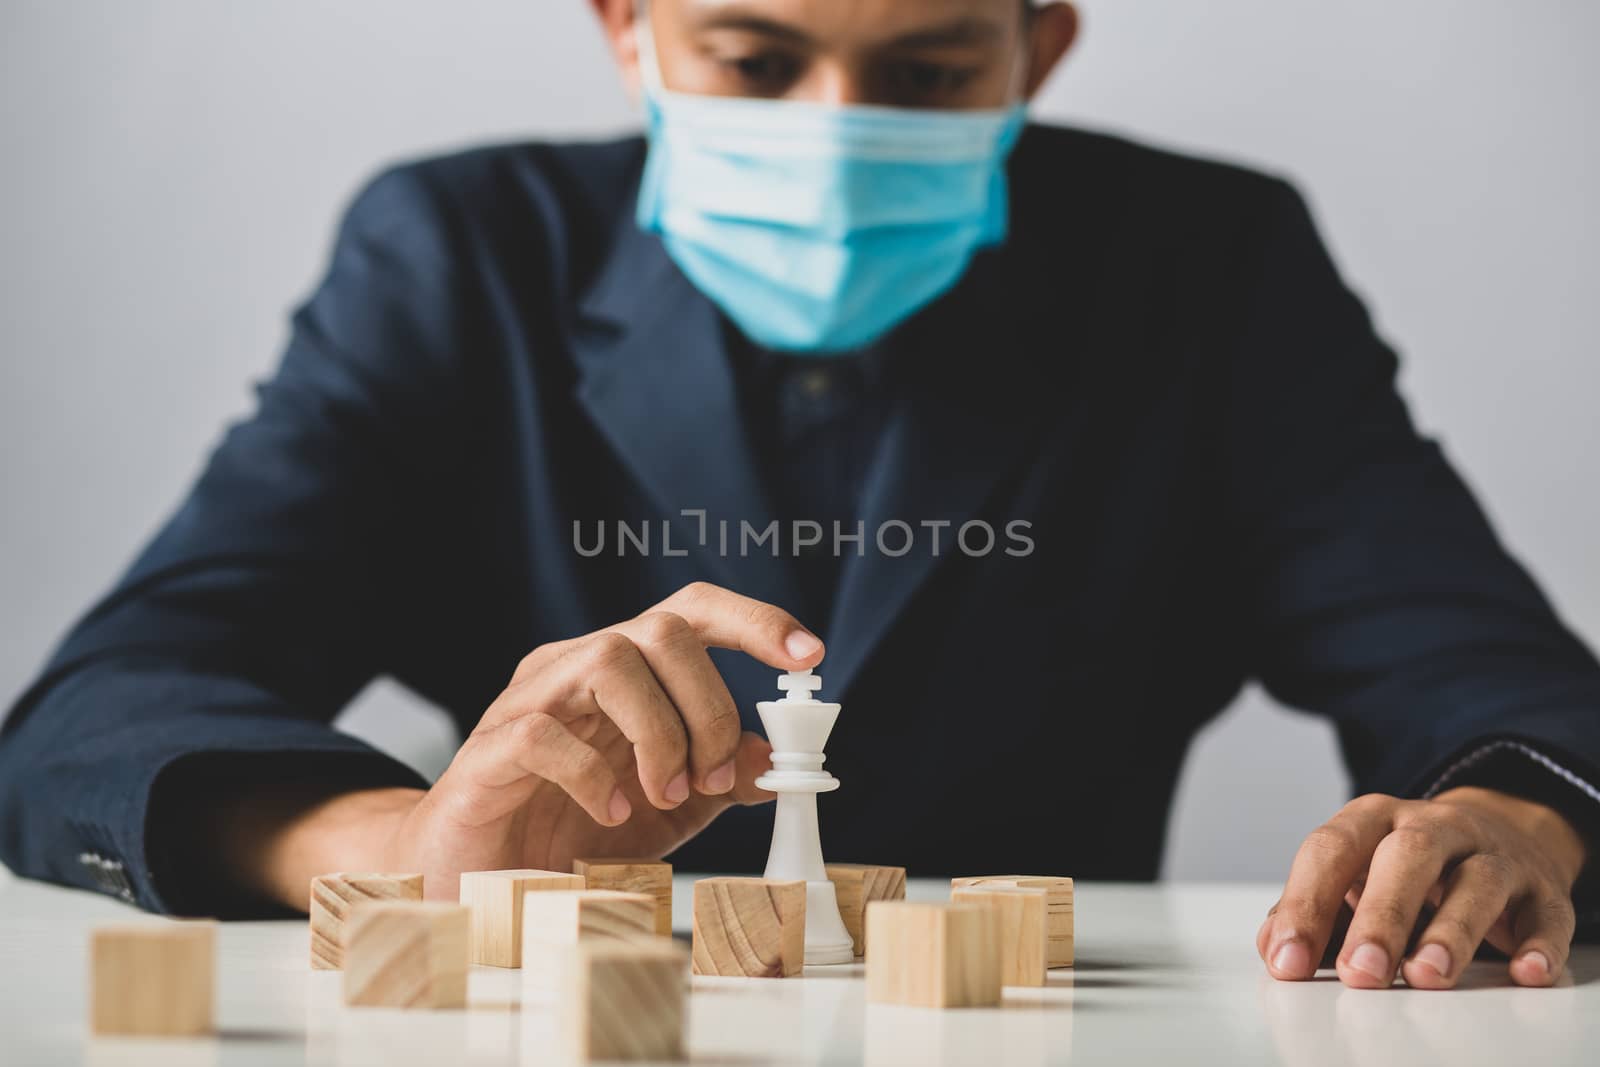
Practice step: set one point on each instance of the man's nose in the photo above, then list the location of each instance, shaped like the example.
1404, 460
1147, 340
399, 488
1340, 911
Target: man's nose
833, 84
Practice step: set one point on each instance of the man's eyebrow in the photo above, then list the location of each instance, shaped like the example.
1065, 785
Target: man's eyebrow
964, 30
734, 17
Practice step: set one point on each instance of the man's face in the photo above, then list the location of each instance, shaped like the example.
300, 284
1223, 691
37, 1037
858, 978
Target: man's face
955, 54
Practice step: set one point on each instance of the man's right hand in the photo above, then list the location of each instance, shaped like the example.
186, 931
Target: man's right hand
623, 742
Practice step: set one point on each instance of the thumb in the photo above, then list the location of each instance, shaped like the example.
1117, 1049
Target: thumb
753, 759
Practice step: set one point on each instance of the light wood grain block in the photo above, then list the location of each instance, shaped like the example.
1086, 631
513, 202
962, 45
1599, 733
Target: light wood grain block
406, 954
332, 897
632, 876
622, 1000
1023, 932
155, 979
749, 927
1058, 908
553, 921
933, 955
495, 899
858, 884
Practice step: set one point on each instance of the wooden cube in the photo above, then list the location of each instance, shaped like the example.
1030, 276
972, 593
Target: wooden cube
623, 1000
154, 979
332, 897
633, 876
933, 955
1023, 940
553, 921
856, 885
1058, 908
495, 899
406, 954
749, 927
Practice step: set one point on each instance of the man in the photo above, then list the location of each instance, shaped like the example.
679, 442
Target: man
1057, 439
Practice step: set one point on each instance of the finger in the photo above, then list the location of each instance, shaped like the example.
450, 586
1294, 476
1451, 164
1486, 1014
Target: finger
541, 657
506, 763
612, 673
1475, 895
1543, 927
1330, 952
753, 760
675, 655
531, 688
1404, 867
1341, 926
605, 675
725, 619
1332, 858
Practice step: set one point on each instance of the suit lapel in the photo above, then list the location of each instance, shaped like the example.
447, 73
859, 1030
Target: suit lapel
655, 379
963, 418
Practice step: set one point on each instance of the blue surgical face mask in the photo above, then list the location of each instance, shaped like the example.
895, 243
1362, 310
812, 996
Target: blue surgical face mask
817, 228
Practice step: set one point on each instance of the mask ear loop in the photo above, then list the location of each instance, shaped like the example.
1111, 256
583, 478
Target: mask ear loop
1021, 66
645, 46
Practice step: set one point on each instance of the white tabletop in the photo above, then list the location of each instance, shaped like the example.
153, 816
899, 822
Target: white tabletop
1166, 974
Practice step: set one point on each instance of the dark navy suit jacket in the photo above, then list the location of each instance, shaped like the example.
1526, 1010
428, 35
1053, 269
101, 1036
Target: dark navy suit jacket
1160, 372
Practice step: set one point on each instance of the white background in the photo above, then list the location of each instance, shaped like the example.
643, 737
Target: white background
173, 169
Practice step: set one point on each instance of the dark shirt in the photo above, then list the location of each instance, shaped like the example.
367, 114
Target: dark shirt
815, 423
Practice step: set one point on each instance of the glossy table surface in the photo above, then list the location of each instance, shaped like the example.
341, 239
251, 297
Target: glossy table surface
1166, 974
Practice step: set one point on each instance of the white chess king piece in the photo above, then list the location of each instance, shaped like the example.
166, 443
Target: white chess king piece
798, 728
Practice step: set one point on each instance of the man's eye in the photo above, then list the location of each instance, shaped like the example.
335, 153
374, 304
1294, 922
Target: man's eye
919, 79
768, 71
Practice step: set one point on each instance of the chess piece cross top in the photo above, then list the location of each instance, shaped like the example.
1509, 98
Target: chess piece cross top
799, 685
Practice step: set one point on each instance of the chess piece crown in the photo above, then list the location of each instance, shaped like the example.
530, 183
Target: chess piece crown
798, 727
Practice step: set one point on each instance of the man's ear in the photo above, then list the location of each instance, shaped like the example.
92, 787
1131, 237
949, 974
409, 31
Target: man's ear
1052, 29
616, 21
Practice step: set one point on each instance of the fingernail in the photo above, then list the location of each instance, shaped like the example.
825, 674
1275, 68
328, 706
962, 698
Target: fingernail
1372, 961
800, 644
1538, 960
1292, 958
619, 809
721, 779
1435, 956
678, 788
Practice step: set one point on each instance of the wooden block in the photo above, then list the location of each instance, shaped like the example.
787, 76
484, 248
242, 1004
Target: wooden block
633, 876
857, 885
624, 1001
332, 897
155, 979
1023, 940
749, 927
933, 955
406, 954
1058, 908
553, 921
495, 899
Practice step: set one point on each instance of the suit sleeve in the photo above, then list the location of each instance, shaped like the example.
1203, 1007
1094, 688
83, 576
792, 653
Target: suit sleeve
1377, 593
272, 595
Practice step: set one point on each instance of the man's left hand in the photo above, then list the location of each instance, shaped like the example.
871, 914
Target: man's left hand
1496, 868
